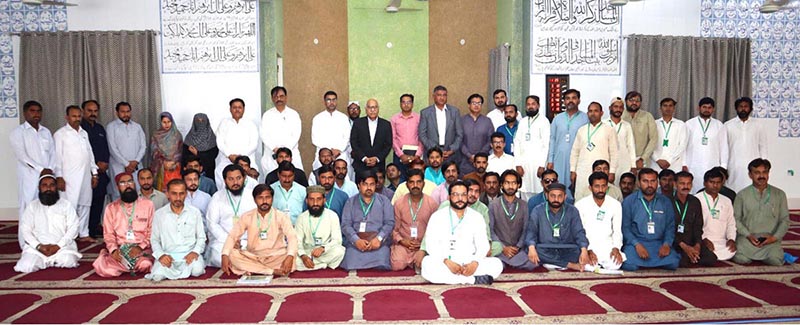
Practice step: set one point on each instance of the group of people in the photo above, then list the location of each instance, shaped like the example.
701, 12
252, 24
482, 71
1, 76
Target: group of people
464, 196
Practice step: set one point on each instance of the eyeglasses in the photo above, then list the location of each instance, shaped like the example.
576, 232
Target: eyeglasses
635, 100
550, 180
352, 108
123, 183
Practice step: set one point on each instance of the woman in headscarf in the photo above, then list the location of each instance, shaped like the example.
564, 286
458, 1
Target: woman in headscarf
166, 146
201, 142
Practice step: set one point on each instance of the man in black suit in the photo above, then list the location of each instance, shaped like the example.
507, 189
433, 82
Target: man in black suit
370, 140
446, 135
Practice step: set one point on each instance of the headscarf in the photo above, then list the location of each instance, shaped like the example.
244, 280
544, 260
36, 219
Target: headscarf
201, 136
169, 141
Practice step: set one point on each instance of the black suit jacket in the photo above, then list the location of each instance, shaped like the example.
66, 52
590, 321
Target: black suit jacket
361, 146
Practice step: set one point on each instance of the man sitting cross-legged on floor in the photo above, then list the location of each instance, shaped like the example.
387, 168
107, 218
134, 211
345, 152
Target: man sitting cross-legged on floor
508, 217
319, 235
555, 235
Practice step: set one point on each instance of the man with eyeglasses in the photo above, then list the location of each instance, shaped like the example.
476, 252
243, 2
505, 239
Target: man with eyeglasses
353, 111
499, 161
370, 139
331, 129
127, 223
477, 132
549, 176
645, 135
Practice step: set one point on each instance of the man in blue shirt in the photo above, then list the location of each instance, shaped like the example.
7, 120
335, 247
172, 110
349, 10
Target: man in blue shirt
555, 233
99, 142
509, 130
549, 176
334, 197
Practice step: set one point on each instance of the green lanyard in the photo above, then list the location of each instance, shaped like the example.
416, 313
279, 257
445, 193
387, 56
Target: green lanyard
531, 120
286, 195
701, 125
314, 232
367, 208
411, 208
758, 197
710, 208
619, 126
646, 208
330, 199
556, 225
235, 208
666, 129
512, 134
685, 208
130, 216
590, 134
453, 228
513, 215
569, 120
269, 221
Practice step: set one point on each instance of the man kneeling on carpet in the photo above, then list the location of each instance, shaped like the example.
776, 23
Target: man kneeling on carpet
319, 235
126, 232
555, 234
48, 226
178, 237
271, 240
456, 242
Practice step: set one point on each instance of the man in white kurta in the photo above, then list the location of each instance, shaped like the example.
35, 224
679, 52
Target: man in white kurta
331, 129
236, 136
626, 154
594, 141
49, 226
33, 147
531, 146
74, 165
456, 243
673, 138
280, 128
747, 140
319, 234
719, 223
224, 210
499, 161
601, 217
127, 144
708, 143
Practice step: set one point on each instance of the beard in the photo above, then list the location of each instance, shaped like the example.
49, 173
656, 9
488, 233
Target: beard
128, 196
48, 198
649, 191
554, 205
531, 113
327, 187
146, 187
631, 109
236, 192
509, 192
743, 114
193, 187
510, 119
599, 195
616, 113
458, 205
705, 115
315, 210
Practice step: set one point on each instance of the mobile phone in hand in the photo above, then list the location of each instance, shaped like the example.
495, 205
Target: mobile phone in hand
761, 239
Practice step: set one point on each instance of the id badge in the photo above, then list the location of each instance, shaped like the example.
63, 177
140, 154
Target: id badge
590, 146
317, 241
362, 227
556, 232
527, 137
715, 214
665, 143
566, 137
680, 229
651, 227
705, 141
414, 232
129, 235
512, 147
452, 245
262, 235
600, 215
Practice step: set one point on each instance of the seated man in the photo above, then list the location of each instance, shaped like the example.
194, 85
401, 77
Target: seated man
319, 235
613, 191
549, 176
689, 222
457, 255
126, 232
285, 154
648, 226
290, 194
499, 161
325, 160
479, 162
380, 187
224, 211
762, 218
434, 172
194, 196
178, 237
627, 184
725, 191
342, 182
491, 187
719, 223
411, 215
402, 189
49, 226
334, 197
508, 217
207, 185
251, 173
146, 189
473, 202
601, 217
394, 176
555, 234
450, 175
271, 240
666, 182
367, 221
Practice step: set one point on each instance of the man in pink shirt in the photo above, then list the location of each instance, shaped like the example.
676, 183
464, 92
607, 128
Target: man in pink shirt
127, 223
405, 133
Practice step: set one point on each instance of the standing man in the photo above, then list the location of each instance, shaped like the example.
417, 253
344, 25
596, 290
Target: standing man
531, 147
194, 196
127, 225
367, 221
281, 127
496, 115
645, 135
670, 150
146, 189
719, 222
762, 218
75, 168
509, 130
411, 215
319, 236
708, 142
224, 211
555, 236
626, 154
370, 140
291, 195
689, 223
99, 142
405, 134
127, 144
594, 141
178, 238
748, 139
34, 148
353, 111
440, 126
562, 134
648, 226
456, 244
508, 218
601, 217
499, 161
235, 137
331, 129
477, 131
334, 197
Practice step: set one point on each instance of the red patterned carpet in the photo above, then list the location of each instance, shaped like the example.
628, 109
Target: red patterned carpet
723, 293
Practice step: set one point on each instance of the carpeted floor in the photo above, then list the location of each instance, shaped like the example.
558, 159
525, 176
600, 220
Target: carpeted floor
725, 292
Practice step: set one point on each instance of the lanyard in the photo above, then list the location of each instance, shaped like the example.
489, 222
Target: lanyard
758, 197
330, 199
547, 213
710, 208
666, 129
269, 222
588, 127
512, 134
453, 228
646, 208
512, 215
235, 208
569, 120
410, 207
367, 208
701, 125
130, 216
286, 195
616, 126
531, 120
685, 208
314, 232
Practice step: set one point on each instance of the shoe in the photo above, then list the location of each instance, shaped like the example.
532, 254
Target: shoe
551, 267
484, 279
